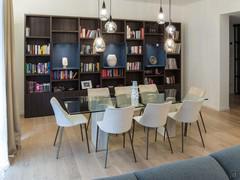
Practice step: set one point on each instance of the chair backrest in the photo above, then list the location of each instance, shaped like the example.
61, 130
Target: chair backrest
122, 90
93, 92
148, 88
194, 93
189, 111
155, 115
117, 120
61, 115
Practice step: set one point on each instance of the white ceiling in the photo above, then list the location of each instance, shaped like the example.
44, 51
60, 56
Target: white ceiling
175, 2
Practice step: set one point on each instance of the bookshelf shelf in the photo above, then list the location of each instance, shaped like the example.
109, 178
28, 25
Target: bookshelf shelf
65, 37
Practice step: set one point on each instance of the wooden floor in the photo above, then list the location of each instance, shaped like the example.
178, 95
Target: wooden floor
36, 160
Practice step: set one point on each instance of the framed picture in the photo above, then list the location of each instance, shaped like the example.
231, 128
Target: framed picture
86, 84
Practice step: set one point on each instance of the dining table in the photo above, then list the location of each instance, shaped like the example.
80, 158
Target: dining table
97, 105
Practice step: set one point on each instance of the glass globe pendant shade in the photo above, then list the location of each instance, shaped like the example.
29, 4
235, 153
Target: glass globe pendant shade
110, 26
170, 29
161, 17
169, 45
99, 44
103, 12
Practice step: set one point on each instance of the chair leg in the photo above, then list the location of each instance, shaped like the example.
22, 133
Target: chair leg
147, 143
133, 129
164, 134
204, 127
56, 136
90, 116
156, 135
60, 142
200, 134
131, 141
123, 140
81, 131
186, 129
106, 156
169, 141
182, 136
87, 137
97, 139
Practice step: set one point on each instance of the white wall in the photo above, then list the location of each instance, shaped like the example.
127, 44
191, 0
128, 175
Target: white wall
207, 48
121, 9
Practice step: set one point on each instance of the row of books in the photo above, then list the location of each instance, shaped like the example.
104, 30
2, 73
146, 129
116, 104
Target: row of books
135, 34
177, 49
35, 87
64, 75
84, 33
148, 81
170, 93
112, 73
135, 49
171, 63
89, 67
154, 71
34, 49
170, 80
134, 66
39, 68
87, 49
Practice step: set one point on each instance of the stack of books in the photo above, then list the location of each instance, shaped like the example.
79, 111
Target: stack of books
84, 33
171, 63
170, 93
170, 80
133, 66
64, 75
40, 68
112, 73
89, 67
35, 87
135, 34
38, 49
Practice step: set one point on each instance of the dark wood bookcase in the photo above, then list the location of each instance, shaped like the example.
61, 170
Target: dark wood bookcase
49, 38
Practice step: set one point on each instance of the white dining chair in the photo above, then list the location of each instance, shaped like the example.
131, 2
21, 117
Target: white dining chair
96, 92
148, 88
195, 93
154, 116
63, 120
122, 90
116, 121
188, 113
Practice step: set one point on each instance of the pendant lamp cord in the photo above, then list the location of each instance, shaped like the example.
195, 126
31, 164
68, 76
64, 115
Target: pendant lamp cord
110, 7
170, 12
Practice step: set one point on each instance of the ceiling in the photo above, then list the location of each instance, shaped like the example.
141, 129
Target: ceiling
175, 2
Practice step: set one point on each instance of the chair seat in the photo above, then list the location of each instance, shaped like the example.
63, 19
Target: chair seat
138, 119
172, 115
77, 119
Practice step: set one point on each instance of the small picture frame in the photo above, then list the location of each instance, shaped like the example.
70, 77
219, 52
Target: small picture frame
86, 84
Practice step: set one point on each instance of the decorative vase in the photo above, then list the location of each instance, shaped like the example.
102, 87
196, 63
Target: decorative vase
111, 60
134, 94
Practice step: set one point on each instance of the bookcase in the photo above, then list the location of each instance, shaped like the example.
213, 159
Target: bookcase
137, 45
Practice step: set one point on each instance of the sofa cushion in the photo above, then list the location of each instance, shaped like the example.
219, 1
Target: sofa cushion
129, 176
229, 159
205, 168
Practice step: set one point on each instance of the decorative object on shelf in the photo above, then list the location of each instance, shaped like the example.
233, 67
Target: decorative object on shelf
112, 60
103, 12
170, 28
64, 62
86, 84
169, 45
153, 60
134, 94
99, 44
161, 16
110, 26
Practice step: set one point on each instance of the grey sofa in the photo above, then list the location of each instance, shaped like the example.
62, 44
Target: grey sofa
223, 165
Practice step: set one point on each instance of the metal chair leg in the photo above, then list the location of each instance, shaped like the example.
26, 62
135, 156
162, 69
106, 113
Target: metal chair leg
182, 136
164, 134
203, 123
133, 129
147, 143
106, 156
131, 141
81, 131
97, 139
156, 135
87, 137
200, 134
90, 116
186, 129
169, 141
60, 142
56, 136
123, 140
